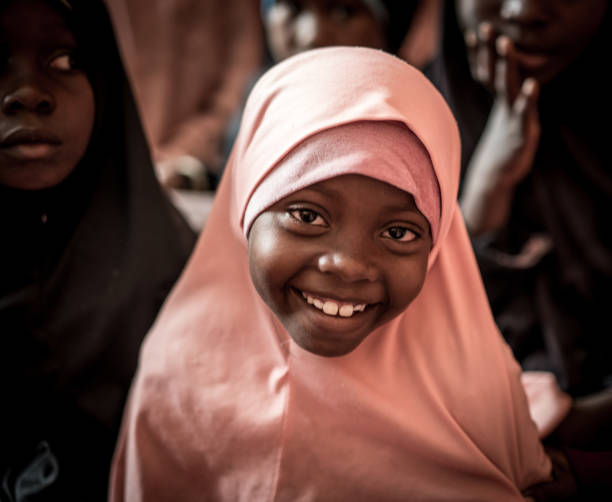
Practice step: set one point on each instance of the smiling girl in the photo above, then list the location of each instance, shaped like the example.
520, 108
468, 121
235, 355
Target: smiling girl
331, 339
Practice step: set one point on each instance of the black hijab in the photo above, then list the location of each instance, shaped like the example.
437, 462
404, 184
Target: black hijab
400, 14
554, 313
84, 268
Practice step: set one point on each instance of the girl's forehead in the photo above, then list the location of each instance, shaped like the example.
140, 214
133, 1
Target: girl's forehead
347, 185
40, 21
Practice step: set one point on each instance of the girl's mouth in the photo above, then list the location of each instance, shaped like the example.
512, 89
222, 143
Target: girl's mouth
333, 308
32, 151
28, 136
26, 143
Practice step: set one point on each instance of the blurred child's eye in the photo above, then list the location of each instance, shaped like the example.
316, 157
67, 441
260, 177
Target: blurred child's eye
402, 234
64, 62
307, 216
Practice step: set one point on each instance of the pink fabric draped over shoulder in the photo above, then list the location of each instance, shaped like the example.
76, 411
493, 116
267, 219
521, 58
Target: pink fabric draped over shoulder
226, 407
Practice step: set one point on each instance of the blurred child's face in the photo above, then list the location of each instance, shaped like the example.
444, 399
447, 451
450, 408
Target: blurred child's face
336, 260
294, 26
47, 112
548, 34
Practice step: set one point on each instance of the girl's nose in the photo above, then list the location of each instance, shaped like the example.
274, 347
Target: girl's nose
28, 97
349, 267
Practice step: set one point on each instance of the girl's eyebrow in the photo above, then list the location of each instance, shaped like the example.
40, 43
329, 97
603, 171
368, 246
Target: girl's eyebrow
408, 205
56, 30
60, 43
394, 210
329, 193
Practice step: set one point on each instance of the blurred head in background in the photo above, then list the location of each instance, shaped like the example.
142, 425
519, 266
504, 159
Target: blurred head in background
293, 26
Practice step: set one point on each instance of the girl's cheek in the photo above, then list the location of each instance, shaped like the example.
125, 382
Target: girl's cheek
265, 255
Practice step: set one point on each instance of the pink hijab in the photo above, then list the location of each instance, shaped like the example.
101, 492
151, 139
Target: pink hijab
226, 407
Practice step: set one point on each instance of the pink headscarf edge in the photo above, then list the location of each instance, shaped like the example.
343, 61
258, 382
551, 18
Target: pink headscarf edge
390, 153
270, 84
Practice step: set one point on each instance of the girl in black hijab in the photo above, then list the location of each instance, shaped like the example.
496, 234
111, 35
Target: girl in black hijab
90, 247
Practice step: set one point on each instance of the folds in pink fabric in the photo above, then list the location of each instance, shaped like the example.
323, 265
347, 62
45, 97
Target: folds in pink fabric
226, 407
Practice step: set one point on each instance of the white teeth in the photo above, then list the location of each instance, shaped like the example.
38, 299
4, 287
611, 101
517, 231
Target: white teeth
332, 308
346, 311
308, 298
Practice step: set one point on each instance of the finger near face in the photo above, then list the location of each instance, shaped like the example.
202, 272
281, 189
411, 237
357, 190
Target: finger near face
547, 34
485, 55
507, 78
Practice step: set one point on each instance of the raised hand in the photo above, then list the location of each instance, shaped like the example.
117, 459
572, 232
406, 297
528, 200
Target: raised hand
507, 147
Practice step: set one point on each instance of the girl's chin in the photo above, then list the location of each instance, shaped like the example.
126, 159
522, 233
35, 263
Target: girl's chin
33, 175
324, 348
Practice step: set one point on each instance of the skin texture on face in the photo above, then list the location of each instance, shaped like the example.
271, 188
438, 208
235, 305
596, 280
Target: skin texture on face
547, 35
293, 26
47, 108
338, 259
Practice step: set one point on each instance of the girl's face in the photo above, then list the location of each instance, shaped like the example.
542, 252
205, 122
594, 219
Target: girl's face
47, 108
294, 26
548, 34
338, 259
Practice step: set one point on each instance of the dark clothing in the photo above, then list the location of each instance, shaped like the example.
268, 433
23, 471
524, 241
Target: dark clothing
554, 312
400, 13
84, 268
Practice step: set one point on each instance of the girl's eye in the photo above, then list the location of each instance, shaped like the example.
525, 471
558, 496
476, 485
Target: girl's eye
307, 216
401, 234
64, 62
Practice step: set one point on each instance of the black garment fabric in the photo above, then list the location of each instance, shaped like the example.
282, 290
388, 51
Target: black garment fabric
555, 312
400, 14
84, 268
